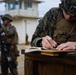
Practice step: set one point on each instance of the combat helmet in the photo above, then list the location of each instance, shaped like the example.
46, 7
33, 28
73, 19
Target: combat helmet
69, 7
7, 16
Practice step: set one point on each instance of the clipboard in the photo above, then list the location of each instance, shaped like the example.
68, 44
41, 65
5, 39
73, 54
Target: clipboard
48, 52
54, 52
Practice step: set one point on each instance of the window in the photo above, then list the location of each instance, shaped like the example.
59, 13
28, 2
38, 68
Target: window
13, 5
20, 4
17, 5
9, 6
27, 5
6, 6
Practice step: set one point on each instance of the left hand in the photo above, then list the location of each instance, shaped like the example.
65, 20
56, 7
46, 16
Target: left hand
67, 46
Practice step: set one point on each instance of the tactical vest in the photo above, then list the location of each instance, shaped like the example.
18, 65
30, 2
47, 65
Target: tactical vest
64, 30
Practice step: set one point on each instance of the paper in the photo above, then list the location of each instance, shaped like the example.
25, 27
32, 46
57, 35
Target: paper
45, 50
32, 49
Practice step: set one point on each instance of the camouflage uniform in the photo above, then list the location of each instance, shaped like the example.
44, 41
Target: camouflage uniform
54, 25
9, 59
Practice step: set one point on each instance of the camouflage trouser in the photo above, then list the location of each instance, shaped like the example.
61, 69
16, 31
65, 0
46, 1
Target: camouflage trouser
12, 65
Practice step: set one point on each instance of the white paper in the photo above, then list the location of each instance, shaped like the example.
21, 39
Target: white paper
32, 49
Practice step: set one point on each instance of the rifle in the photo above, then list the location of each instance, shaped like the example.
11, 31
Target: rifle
4, 49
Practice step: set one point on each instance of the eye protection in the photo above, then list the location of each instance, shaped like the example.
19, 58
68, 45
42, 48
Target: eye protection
69, 7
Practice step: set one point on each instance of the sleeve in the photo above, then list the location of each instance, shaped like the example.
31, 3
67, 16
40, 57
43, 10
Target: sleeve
11, 31
11, 35
43, 28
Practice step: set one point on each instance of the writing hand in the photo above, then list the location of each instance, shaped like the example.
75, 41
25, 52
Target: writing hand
48, 42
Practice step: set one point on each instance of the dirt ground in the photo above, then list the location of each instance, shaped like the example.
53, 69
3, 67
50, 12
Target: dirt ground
21, 60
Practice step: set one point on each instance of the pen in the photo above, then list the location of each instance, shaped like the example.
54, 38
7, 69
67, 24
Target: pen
50, 35
58, 43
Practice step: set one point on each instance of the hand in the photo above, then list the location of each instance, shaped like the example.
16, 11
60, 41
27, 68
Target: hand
67, 46
48, 42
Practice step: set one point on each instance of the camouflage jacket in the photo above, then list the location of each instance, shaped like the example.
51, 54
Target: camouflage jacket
10, 39
53, 24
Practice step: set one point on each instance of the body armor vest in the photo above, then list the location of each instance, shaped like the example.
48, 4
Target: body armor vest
65, 31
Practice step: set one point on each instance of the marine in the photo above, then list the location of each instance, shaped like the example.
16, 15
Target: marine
57, 27
8, 44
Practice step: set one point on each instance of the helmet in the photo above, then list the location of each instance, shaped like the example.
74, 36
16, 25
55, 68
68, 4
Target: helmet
69, 6
7, 16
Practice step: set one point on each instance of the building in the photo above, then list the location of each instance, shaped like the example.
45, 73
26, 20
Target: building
25, 15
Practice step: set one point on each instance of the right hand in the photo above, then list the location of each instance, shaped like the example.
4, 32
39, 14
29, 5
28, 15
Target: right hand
48, 42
